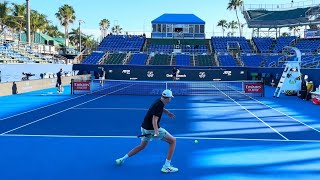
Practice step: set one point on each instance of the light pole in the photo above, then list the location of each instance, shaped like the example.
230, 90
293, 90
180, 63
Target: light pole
28, 21
80, 22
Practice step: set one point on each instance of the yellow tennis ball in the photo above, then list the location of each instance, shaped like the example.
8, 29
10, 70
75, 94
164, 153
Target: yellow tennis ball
196, 141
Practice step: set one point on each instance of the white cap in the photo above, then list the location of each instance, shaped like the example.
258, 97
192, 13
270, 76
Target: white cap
306, 77
167, 93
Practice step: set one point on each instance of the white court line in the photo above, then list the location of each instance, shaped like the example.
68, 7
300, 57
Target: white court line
252, 114
143, 109
135, 137
59, 112
53, 104
50, 115
280, 112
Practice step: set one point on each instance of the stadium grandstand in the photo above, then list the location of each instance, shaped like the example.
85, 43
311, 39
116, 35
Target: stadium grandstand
179, 40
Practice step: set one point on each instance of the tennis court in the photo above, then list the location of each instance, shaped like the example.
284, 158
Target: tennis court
79, 136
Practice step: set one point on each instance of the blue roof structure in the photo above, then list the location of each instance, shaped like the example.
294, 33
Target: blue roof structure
178, 19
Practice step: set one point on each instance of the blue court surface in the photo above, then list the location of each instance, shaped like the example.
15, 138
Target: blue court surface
50, 136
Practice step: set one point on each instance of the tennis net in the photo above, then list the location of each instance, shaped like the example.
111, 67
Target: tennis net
179, 88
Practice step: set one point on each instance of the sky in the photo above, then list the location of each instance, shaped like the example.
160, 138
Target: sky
135, 16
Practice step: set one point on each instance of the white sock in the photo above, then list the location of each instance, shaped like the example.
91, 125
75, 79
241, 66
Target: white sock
125, 157
167, 163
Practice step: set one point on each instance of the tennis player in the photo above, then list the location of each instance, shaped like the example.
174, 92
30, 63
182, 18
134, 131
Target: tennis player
151, 125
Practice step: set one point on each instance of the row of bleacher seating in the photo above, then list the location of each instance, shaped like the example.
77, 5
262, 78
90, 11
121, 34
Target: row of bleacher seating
93, 58
8, 52
271, 60
183, 60
205, 60
220, 44
122, 43
139, 59
263, 44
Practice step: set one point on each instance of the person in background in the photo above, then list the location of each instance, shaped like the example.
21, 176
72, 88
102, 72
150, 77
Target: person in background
59, 81
103, 76
174, 73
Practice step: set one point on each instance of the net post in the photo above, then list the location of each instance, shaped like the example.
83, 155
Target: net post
242, 85
166, 85
72, 86
262, 84
91, 85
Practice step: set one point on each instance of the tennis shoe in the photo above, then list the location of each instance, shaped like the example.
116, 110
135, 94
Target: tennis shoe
169, 169
119, 162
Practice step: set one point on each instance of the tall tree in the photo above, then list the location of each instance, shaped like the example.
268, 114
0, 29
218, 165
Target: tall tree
19, 13
53, 31
74, 37
295, 30
232, 25
104, 26
4, 12
66, 16
117, 29
234, 5
39, 23
89, 43
223, 24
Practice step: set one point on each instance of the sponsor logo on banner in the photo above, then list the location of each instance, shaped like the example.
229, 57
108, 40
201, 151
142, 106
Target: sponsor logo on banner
229, 73
126, 71
253, 88
82, 86
178, 75
202, 75
150, 74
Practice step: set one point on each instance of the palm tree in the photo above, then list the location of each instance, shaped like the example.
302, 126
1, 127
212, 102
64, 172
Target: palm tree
295, 30
4, 12
234, 5
223, 24
19, 12
39, 22
232, 25
53, 31
89, 42
66, 16
74, 37
104, 26
117, 29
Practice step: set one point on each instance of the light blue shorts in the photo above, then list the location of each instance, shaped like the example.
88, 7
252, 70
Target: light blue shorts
162, 134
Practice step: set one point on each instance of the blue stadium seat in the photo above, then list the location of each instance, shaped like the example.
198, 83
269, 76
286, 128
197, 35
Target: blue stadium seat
183, 60
93, 58
139, 59
122, 43
227, 60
